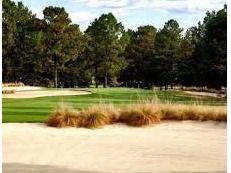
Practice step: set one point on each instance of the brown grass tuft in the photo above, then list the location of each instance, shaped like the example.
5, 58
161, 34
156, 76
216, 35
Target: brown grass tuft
207, 113
140, 115
13, 84
193, 112
108, 110
94, 118
8, 91
189, 112
64, 116
170, 112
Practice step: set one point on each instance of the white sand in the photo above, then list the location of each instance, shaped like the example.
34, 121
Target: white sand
44, 93
167, 147
22, 88
204, 94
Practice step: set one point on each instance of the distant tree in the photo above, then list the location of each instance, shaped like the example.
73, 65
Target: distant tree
209, 59
104, 47
14, 18
140, 56
53, 50
30, 48
185, 70
215, 47
167, 45
63, 39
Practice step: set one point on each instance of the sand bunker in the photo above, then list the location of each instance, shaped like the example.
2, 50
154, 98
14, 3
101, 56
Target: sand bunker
44, 93
167, 147
23, 88
205, 94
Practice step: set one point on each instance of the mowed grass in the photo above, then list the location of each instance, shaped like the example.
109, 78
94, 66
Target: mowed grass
38, 109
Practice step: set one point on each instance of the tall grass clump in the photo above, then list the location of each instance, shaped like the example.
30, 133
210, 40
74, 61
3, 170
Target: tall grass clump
216, 113
8, 91
13, 84
170, 112
193, 112
64, 116
96, 117
140, 115
143, 113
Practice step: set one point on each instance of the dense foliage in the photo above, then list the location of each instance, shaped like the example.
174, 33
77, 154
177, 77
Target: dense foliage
53, 52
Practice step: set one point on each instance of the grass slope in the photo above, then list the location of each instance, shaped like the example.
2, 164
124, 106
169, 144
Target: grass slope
38, 109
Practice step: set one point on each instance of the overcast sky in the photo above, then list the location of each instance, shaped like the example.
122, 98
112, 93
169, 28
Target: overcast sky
132, 13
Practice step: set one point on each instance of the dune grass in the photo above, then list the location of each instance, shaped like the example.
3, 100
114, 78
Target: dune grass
138, 115
64, 116
38, 109
8, 91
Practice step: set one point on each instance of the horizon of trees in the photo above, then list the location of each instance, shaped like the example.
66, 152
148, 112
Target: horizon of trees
53, 52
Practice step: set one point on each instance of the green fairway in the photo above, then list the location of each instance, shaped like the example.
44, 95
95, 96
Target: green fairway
38, 109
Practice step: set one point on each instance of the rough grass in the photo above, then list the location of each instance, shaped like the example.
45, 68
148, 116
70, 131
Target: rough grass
13, 84
12, 91
94, 118
64, 116
193, 112
140, 114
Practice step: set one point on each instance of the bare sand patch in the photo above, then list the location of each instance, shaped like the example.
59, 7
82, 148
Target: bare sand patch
195, 93
44, 93
23, 88
167, 147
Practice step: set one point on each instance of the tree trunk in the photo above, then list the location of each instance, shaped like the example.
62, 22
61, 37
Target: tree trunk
96, 71
165, 86
55, 75
105, 80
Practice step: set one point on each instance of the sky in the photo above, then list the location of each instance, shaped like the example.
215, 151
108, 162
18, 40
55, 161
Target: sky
132, 13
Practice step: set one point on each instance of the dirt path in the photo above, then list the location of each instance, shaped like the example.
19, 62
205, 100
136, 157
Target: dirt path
165, 148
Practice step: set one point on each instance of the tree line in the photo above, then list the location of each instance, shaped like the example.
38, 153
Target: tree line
53, 52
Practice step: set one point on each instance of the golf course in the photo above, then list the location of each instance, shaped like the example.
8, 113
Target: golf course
29, 144
38, 109
114, 86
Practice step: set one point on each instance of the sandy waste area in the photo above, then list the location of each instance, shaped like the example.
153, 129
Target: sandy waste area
44, 93
168, 147
22, 88
205, 94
